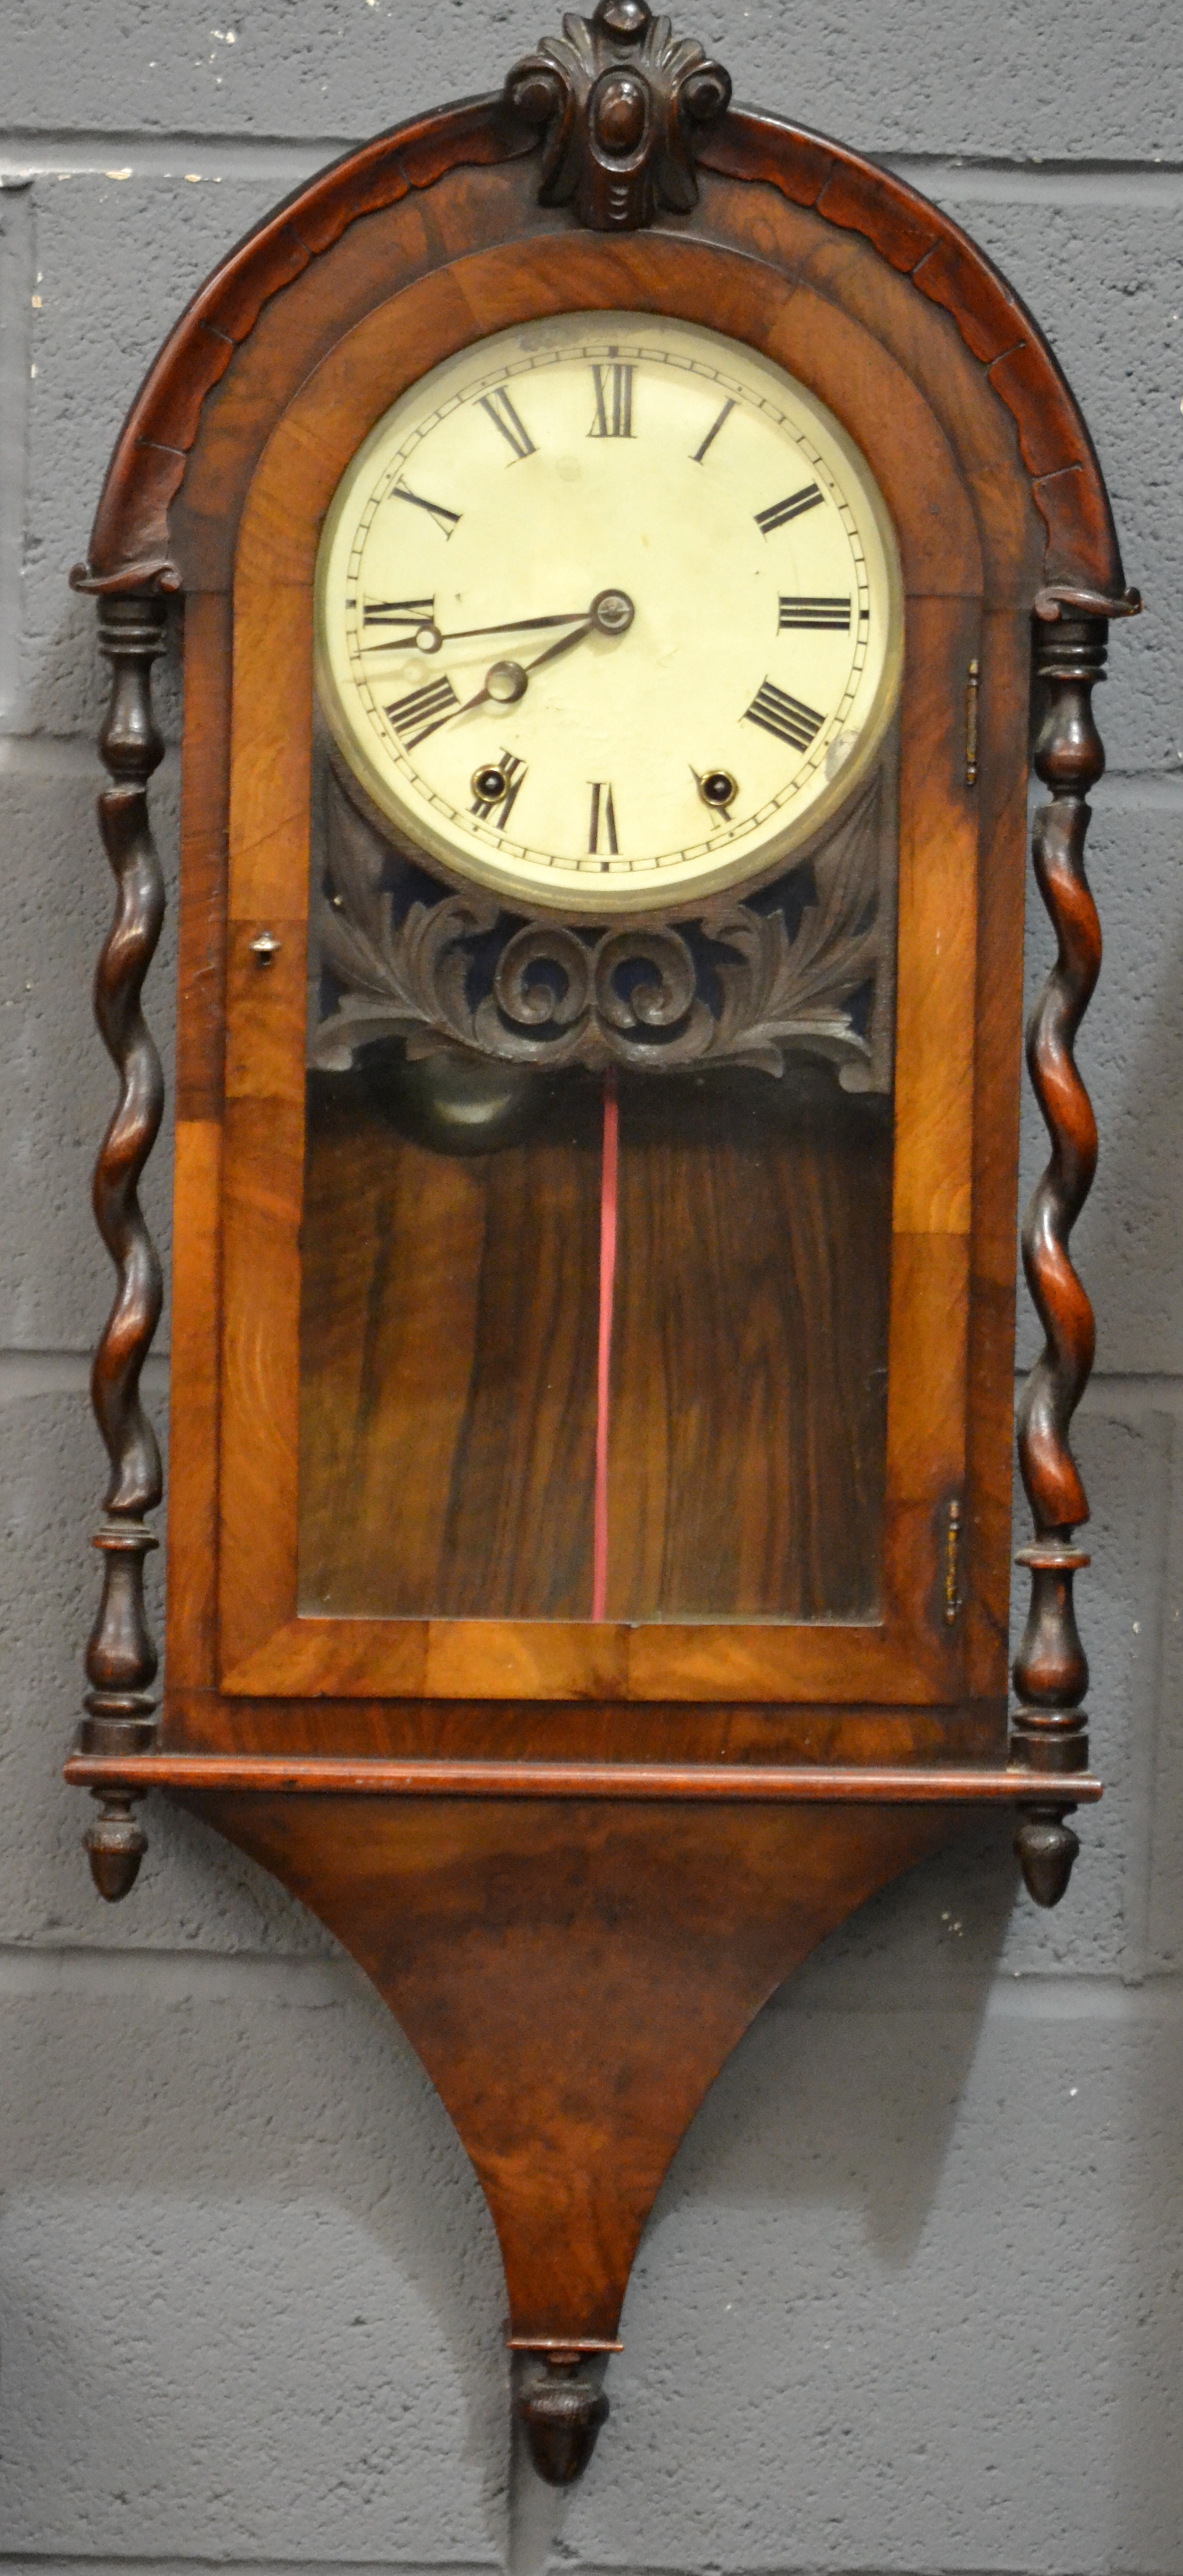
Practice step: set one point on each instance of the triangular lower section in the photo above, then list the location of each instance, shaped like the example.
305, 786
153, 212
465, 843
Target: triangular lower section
573, 1974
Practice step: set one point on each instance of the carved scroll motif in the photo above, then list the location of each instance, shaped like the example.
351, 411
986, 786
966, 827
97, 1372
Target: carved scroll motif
803, 968
621, 101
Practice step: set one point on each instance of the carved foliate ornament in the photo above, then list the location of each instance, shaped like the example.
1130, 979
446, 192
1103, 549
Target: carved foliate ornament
622, 102
803, 970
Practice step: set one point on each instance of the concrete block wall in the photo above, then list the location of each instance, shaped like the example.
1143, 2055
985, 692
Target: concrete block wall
912, 2299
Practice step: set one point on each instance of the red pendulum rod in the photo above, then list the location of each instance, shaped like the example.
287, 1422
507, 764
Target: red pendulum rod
609, 1167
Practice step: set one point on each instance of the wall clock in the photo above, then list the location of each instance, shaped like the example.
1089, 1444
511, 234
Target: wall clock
612, 531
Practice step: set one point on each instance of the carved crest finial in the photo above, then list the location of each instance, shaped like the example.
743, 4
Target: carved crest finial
621, 100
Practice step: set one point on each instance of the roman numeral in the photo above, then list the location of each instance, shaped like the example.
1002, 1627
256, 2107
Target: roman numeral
601, 833
712, 434
503, 416
784, 716
824, 616
614, 401
510, 773
423, 711
398, 612
445, 519
779, 513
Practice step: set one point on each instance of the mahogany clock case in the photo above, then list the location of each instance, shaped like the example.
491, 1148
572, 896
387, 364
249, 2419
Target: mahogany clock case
267, 1642
576, 1853
971, 546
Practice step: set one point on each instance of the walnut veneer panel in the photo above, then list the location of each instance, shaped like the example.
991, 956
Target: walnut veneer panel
746, 1461
448, 1371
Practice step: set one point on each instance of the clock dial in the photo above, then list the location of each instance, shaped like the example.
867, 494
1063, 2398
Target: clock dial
608, 614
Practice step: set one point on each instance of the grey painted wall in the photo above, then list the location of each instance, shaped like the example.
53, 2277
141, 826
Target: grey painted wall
912, 2298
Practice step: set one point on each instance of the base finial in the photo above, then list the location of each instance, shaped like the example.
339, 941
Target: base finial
1046, 1848
116, 1843
561, 2411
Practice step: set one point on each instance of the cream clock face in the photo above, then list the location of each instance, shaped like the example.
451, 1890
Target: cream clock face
608, 614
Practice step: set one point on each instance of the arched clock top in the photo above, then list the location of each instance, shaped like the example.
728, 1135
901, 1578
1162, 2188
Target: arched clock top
615, 94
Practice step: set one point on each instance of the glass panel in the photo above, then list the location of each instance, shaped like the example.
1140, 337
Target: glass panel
596, 1342
448, 1353
461, 1329
749, 1376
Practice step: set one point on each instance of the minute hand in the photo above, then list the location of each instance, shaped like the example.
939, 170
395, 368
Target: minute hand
611, 611
437, 636
510, 626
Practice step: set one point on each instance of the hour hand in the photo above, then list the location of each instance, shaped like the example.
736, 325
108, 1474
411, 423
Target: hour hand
428, 709
430, 638
611, 611
506, 682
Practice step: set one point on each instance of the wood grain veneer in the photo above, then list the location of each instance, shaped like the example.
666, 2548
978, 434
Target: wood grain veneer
576, 1857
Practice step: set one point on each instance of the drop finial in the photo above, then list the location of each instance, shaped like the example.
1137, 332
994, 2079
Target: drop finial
561, 2411
1046, 1848
116, 1843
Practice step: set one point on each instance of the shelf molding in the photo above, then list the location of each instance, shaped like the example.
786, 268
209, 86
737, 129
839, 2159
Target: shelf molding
797, 1784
